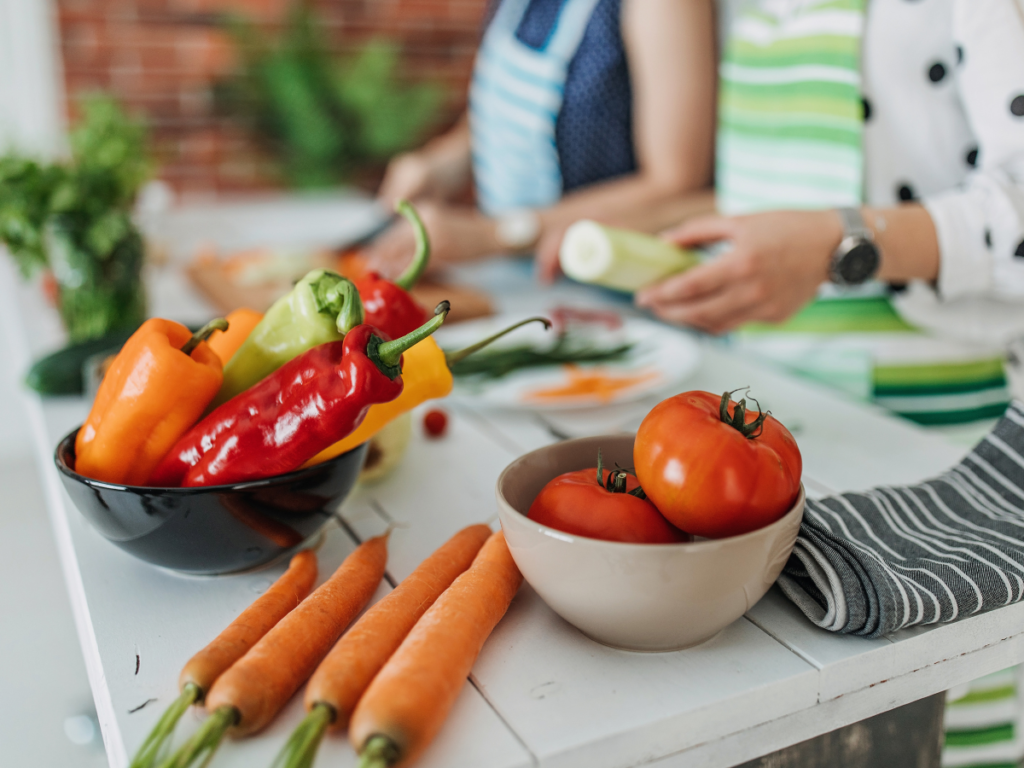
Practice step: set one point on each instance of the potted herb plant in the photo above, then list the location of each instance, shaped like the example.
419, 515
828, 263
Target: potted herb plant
73, 218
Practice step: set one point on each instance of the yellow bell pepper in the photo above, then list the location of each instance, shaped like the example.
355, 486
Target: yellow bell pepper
426, 376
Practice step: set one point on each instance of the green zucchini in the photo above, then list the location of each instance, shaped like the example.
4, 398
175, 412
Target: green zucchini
619, 258
60, 373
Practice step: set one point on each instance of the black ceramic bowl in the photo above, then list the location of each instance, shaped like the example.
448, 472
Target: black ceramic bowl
218, 529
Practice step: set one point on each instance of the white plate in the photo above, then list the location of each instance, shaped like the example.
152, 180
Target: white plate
661, 358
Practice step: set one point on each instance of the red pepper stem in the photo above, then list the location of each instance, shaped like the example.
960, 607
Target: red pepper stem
389, 353
454, 357
220, 324
421, 258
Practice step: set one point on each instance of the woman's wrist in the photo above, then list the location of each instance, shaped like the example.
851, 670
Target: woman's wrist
448, 160
907, 241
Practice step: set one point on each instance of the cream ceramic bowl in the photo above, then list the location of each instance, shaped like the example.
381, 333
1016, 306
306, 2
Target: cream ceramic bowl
640, 597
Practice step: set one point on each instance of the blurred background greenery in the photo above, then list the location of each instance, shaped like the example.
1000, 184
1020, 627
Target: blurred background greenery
323, 116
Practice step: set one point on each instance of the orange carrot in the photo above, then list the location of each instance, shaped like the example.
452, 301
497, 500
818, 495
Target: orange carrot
248, 696
240, 325
409, 699
346, 672
202, 670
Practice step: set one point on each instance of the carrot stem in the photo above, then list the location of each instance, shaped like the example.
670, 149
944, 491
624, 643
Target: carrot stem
378, 752
205, 741
301, 748
153, 747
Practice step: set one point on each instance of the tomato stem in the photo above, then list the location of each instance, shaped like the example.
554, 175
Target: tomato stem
639, 493
738, 420
616, 480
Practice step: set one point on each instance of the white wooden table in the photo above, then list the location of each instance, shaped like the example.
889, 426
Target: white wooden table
541, 693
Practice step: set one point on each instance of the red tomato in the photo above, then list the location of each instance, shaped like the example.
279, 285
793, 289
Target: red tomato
435, 422
576, 503
711, 469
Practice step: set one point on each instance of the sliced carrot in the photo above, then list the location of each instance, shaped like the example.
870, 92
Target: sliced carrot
248, 696
592, 384
202, 670
409, 699
347, 671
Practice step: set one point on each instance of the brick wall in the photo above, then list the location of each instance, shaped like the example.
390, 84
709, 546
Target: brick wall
160, 58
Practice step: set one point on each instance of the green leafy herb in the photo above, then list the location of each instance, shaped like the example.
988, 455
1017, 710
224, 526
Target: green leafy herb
497, 362
73, 217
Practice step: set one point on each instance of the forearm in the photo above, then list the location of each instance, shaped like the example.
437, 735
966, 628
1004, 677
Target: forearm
450, 157
636, 202
657, 216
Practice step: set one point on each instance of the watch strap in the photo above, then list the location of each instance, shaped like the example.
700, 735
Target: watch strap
854, 224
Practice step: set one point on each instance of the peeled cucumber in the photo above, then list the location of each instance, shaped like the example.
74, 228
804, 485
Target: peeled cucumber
619, 258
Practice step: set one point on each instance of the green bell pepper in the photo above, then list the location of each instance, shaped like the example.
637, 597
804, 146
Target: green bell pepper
323, 306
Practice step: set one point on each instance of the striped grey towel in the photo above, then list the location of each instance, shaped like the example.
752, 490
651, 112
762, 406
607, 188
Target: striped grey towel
872, 563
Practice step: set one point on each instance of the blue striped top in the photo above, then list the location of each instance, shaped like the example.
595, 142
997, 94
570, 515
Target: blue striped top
594, 129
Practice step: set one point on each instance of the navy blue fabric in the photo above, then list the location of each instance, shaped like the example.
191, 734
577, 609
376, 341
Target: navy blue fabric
539, 22
594, 130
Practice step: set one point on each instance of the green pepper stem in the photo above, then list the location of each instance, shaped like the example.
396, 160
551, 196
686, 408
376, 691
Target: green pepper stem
378, 752
204, 742
220, 324
301, 748
451, 358
352, 313
389, 353
152, 748
337, 297
421, 258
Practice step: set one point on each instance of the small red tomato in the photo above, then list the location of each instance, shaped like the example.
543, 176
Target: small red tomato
713, 471
435, 423
578, 504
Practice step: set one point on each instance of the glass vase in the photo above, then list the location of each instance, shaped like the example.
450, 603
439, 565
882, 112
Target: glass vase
97, 293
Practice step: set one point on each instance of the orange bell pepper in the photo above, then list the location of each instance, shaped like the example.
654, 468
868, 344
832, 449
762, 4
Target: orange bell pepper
157, 387
240, 325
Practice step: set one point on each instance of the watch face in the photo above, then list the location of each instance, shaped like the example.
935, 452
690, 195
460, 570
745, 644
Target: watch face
859, 263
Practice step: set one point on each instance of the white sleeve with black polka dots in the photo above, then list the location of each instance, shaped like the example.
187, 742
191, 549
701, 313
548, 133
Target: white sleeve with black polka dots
980, 225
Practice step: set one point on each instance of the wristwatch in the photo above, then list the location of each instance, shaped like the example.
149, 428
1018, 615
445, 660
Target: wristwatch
517, 230
857, 258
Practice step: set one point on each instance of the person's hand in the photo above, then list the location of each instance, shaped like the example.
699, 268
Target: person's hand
777, 262
456, 234
407, 177
546, 265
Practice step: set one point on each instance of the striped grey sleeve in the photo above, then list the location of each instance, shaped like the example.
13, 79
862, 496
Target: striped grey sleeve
874, 562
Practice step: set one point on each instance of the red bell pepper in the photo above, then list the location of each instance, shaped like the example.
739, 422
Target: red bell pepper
302, 408
388, 305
